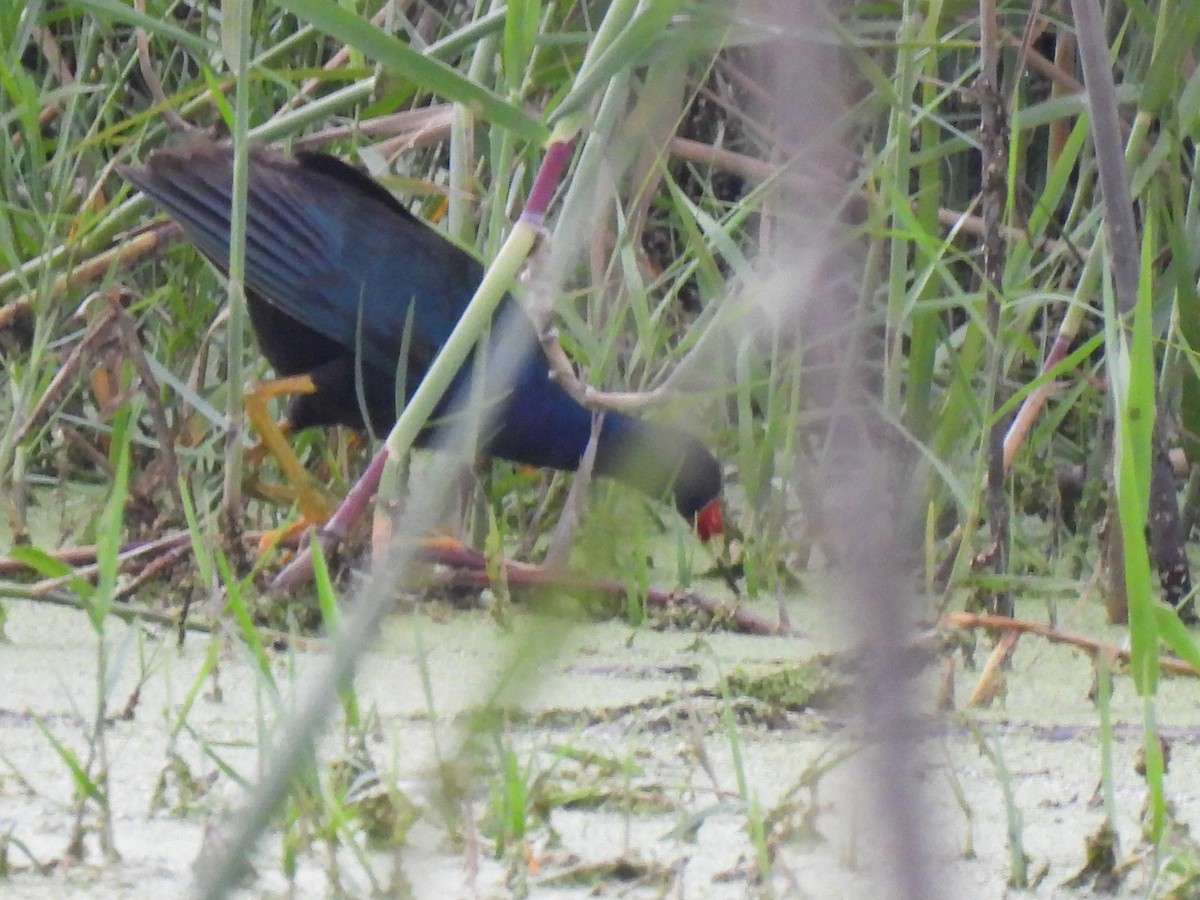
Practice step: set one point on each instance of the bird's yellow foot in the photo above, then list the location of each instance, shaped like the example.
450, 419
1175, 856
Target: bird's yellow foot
315, 510
291, 533
445, 543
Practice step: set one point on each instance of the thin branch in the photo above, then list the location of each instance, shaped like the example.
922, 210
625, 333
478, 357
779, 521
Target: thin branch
1091, 646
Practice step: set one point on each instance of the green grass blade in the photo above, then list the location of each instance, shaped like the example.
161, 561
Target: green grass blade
425, 72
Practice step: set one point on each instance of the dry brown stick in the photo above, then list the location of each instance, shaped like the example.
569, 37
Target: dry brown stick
48, 44
969, 223
991, 680
173, 119
1060, 129
541, 309
83, 559
744, 620
166, 619
130, 250
470, 566
85, 555
153, 568
562, 371
748, 167
1091, 646
1055, 74
759, 95
1035, 27
99, 335
52, 53
71, 601
88, 448
135, 352
470, 570
111, 329
736, 111
1034, 402
339, 59
421, 127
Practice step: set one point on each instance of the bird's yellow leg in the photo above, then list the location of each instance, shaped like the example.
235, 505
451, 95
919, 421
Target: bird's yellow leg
314, 505
256, 454
272, 492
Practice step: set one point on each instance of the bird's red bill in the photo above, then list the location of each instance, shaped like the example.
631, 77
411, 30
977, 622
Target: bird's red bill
709, 521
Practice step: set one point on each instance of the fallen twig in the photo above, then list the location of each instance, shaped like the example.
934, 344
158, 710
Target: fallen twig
1090, 646
468, 568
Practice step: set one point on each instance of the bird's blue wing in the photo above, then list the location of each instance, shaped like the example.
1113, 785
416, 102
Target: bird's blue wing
323, 244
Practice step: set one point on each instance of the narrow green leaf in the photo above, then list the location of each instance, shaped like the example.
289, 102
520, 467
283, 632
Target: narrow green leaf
520, 33
241, 613
648, 28
1135, 426
50, 567
1176, 635
124, 12
112, 518
427, 73
1178, 25
83, 783
232, 34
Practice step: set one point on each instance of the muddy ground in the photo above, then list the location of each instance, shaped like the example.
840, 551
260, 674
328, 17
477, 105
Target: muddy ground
659, 811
